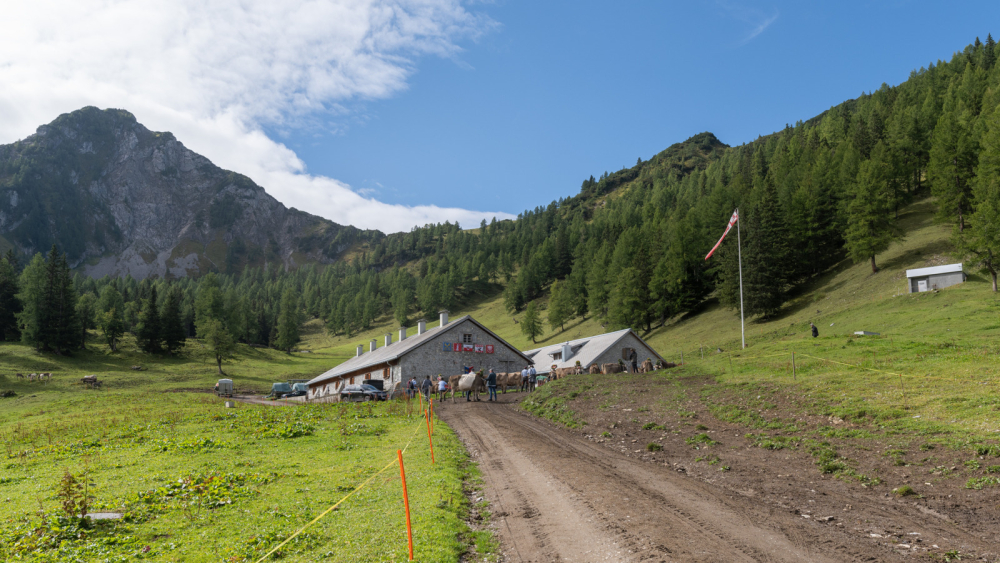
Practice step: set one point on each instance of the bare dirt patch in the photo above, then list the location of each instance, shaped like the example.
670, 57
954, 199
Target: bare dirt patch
679, 468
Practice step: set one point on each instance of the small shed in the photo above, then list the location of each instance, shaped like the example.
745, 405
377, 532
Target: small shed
936, 277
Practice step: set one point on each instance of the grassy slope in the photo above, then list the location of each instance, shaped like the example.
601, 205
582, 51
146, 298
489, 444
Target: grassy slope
942, 342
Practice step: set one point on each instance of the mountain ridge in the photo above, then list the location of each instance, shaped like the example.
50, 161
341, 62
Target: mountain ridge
121, 199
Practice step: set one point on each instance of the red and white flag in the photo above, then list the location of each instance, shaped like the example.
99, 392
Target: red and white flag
732, 221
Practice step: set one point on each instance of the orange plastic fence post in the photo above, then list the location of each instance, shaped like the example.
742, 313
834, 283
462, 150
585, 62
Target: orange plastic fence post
406, 504
429, 439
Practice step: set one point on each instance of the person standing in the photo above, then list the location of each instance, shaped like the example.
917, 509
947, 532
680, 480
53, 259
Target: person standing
425, 387
491, 384
411, 388
633, 359
532, 378
524, 379
442, 387
815, 331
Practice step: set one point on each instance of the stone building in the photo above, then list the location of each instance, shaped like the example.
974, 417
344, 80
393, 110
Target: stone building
445, 349
601, 349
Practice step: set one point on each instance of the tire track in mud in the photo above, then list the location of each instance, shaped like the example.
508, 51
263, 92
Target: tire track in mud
562, 498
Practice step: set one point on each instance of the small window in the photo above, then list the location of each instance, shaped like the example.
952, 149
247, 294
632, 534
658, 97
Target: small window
557, 356
352, 381
467, 338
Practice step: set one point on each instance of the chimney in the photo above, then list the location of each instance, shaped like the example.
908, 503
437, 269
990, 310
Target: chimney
567, 351
421, 326
361, 349
402, 333
371, 345
443, 315
388, 338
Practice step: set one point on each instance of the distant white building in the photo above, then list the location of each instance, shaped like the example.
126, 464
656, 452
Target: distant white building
937, 277
601, 349
444, 349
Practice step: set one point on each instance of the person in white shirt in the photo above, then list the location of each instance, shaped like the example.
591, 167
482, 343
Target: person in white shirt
532, 378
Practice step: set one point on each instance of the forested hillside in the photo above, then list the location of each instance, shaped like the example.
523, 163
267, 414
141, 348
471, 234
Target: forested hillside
629, 248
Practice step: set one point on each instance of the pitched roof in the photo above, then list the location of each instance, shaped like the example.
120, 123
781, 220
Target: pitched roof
398, 349
585, 350
948, 269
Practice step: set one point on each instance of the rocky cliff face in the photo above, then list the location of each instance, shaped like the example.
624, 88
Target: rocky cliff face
121, 199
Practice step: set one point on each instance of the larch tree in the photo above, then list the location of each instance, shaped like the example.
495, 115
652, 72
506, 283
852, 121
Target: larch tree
531, 324
871, 227
981, 241
289, 320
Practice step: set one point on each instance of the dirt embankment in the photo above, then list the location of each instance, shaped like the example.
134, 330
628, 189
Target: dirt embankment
653, 475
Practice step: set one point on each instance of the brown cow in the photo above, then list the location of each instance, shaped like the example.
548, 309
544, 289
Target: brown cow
611, 368
595, 369
478, 385
646, 366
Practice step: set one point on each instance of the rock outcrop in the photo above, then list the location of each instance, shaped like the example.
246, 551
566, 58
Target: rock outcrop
121, 199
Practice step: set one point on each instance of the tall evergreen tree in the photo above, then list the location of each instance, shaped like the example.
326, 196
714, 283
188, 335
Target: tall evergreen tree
9, 305
288, 321
86, 309
173, 333
952, 162
871, 227
560, 305
531, 324
112, 327
981, 242
150, 334
32, 298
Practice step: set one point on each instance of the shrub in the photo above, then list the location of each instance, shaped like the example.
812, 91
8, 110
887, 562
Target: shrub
904, 491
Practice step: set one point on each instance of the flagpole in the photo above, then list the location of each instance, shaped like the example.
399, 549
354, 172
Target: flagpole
739, 253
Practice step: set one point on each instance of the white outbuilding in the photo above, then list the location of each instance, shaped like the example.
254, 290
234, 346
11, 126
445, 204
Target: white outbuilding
605, 348
936, 277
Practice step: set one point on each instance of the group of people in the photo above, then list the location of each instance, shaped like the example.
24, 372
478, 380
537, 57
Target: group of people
426, 387
529, 377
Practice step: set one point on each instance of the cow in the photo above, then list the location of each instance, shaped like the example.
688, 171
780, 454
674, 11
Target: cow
473, 382
594, 369
611, 368
20, 376
512, 380
646, 366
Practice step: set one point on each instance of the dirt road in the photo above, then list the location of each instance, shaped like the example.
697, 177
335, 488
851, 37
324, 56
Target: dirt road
558, 496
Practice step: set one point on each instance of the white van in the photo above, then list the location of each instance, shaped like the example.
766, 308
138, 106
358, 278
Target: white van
224, 388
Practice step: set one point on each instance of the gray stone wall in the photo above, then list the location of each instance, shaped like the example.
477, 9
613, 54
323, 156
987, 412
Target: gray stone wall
613, 354
431, 359
937, 281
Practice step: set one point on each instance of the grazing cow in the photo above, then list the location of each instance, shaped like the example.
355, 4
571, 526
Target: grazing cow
20, 376
594, 369
32, 376
647, 366
475, 383
611, 368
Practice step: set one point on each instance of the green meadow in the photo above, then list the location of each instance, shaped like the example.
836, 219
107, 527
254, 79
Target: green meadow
196, 481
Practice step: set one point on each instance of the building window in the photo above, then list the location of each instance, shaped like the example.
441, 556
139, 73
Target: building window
557, 356
352, 381
385, 373
467, 338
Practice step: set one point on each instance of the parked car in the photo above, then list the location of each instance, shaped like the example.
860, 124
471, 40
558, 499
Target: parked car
362, 393
279, 389
298, 390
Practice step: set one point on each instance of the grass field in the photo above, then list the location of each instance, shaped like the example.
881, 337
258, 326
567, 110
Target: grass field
199, 482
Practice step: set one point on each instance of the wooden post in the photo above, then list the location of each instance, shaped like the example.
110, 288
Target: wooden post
429, 440
793, 365
406, 504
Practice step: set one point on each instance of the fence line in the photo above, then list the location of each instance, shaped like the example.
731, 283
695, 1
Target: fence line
341, 501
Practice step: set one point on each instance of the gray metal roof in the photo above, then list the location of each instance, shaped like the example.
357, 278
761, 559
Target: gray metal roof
585, 350
397, 349
948, 269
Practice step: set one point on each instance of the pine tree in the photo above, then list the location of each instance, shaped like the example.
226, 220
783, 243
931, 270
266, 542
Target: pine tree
209, 304
288, 321
531, 324
112, 327
560, 305
981, 241
871, 227
952, 163
150, 333
173, 333
32, 299
86, 308
628, 299
9, 305
218, 340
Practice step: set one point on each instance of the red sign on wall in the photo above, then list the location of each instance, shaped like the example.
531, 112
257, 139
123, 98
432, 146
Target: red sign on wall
489, 348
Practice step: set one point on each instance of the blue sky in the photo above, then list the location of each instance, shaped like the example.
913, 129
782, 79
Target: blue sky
393, 113
561, 90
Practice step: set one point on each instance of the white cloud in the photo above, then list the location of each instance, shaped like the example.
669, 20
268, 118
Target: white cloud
754, 17
214, 73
